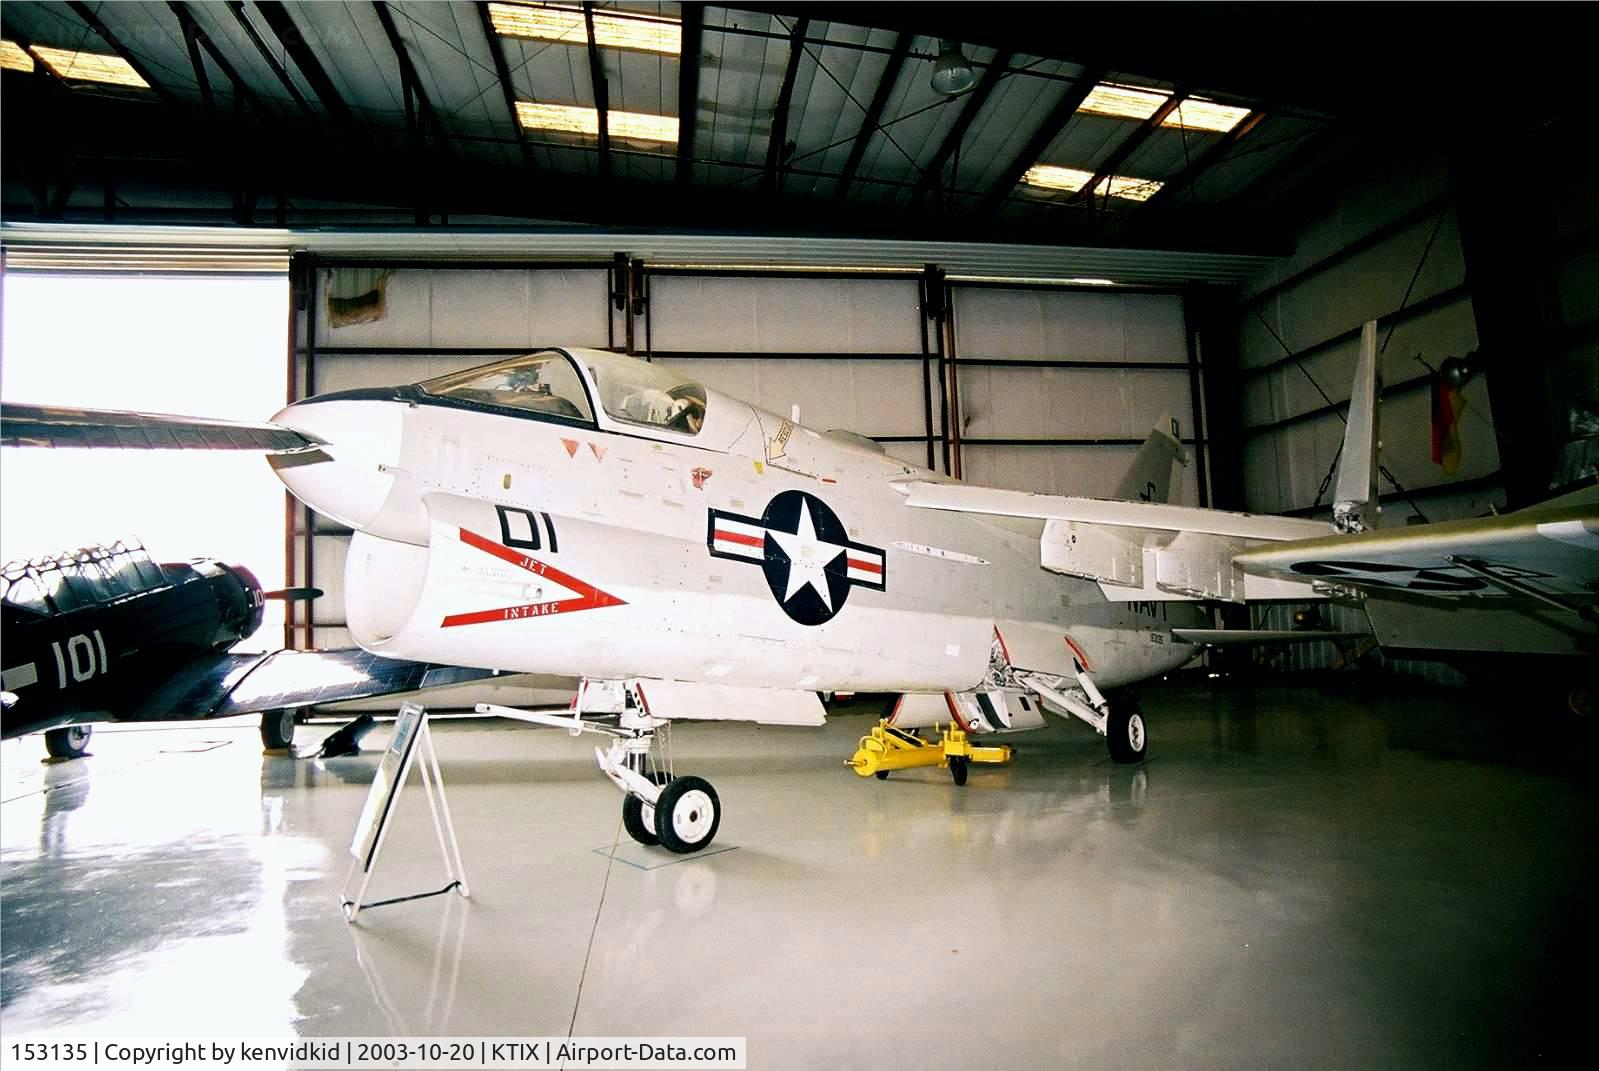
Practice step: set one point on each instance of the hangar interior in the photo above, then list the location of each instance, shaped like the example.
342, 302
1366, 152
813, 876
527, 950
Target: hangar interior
1336, 855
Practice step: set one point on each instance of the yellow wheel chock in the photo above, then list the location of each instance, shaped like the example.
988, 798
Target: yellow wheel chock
887, 748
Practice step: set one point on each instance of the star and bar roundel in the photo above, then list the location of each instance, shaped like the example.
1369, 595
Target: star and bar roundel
805, 551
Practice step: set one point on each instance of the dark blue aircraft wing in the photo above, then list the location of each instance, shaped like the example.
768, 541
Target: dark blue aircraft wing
222, 685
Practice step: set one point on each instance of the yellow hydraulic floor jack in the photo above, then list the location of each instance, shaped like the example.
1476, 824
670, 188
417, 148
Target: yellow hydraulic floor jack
887, 748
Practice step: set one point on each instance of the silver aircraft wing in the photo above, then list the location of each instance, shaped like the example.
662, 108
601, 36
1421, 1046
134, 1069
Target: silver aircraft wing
65, 427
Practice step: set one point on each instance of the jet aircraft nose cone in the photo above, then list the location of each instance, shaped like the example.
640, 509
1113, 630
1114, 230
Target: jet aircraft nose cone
350, 478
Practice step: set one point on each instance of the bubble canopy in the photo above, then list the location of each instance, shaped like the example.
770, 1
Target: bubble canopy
547, 385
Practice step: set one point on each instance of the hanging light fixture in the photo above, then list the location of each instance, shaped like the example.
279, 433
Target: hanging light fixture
953, 72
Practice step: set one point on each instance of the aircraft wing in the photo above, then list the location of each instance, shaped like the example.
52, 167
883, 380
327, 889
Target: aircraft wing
1545, 553
1218, 637
56, 426
224, 684
1159, 516
1138, 551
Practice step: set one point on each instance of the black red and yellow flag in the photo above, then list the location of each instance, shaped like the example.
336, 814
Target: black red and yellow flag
1448, 406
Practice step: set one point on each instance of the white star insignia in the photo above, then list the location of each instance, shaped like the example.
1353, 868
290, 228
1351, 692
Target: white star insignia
808, 557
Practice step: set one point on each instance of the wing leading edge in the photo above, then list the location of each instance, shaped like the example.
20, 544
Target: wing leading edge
1138, 551
61, 427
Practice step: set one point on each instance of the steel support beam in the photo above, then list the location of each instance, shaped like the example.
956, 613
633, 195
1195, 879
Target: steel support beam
408, 74
288, 34
1129, 145
502, 71
191, 40
241, 90
1047, 132
874, 116
957, 133
1514, 300
270, 58
602, 93
1167, 194
688, 88
777, 142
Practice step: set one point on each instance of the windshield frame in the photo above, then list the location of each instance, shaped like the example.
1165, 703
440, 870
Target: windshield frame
579, 371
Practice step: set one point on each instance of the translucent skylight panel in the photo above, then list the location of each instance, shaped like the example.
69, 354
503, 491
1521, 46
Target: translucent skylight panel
560, 23
1070, 179
12, 58
89, 67
1131, 189
1124, 102
1051, 177
570, 119
1199, 114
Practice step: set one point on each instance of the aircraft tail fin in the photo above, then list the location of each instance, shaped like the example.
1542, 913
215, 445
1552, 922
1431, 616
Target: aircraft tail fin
1355, 494
1150, 476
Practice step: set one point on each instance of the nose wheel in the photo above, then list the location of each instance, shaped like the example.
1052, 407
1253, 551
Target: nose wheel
638, 817
687, 815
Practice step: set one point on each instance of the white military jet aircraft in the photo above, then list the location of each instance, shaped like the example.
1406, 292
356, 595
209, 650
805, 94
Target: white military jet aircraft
583, 513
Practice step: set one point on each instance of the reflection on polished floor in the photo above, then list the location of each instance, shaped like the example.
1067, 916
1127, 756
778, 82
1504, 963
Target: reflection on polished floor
1292, 879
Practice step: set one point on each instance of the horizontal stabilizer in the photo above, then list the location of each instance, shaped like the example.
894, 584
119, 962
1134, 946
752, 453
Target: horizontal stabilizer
107, 429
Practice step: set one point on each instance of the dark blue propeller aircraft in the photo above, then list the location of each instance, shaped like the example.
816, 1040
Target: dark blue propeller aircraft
107, 634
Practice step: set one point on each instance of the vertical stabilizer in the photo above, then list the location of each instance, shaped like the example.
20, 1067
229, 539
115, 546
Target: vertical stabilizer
1355, 494
1149, 479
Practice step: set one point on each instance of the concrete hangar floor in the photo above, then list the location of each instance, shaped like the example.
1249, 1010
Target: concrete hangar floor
1292, 879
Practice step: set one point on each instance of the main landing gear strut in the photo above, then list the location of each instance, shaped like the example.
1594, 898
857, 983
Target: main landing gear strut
681, 814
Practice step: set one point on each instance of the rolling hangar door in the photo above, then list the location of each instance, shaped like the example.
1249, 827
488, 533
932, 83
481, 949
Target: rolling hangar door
1056, 388
1037, 387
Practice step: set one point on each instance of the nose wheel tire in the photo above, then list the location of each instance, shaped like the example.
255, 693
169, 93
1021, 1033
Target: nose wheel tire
638, 817
277, 730
1125, 733
687, 815
69, 743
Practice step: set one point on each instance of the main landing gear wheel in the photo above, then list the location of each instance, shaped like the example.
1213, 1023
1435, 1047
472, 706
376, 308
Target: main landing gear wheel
1124, 732
687, 815
69, 743
638, 817
277, 730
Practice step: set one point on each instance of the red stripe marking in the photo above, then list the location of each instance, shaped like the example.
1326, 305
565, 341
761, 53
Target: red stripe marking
1078, 651
1003, 650
954, 711
737, 537
867, 567
589, 596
